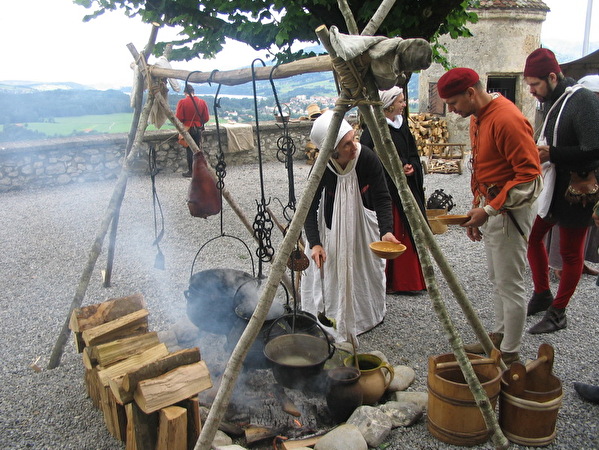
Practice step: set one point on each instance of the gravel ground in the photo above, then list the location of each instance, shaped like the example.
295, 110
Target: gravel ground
47, 235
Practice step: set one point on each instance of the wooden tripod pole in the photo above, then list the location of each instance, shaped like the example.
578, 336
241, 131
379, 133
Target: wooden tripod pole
384, 146
223, 396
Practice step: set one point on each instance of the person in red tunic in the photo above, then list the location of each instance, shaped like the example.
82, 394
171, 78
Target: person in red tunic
194, 117
404, 275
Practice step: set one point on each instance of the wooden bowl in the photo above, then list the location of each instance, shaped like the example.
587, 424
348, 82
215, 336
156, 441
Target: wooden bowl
387, 250
453, 219
437, 227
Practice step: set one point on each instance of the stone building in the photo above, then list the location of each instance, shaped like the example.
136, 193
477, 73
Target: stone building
506, 33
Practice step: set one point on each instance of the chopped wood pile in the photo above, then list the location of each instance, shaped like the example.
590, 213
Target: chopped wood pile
427, 129
147, 394
432, 136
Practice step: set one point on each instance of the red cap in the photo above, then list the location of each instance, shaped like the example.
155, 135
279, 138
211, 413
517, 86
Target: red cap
456, 81
541, 63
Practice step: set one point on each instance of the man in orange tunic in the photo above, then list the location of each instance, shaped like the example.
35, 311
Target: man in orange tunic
506, 180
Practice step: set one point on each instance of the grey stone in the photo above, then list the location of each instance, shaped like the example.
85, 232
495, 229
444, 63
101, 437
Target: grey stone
373, 423
402, 414
404, 377
231, 447
221, 439
419, 398
344, 437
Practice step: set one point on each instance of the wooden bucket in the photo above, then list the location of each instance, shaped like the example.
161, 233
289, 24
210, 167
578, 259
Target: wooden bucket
530, 399
453, 415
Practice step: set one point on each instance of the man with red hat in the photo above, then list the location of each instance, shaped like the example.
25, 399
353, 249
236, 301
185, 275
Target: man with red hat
568, 147
505, 182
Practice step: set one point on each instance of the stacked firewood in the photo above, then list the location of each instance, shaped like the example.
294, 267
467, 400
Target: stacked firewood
147, 394
428, 129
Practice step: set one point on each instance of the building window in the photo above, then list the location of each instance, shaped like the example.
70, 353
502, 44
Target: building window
435, 104
506, 86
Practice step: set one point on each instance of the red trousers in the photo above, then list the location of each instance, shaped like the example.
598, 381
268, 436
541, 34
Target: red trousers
571, 250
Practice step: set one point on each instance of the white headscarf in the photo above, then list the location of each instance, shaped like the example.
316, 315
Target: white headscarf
590, 82
389, 96
320, 129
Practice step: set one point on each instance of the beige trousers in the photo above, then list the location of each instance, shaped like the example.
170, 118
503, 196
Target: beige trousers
506, 262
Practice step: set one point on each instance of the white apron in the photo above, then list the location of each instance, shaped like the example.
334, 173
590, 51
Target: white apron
354, 277
546, 196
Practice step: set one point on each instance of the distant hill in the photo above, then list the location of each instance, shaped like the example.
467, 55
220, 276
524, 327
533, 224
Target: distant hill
22, 87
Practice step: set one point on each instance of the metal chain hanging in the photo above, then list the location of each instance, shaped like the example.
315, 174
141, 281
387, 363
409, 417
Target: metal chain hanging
263, 223
285, 152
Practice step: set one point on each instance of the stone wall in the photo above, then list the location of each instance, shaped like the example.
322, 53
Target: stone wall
53, 162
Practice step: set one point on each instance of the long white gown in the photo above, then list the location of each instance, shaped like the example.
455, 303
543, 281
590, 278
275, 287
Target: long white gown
354, 278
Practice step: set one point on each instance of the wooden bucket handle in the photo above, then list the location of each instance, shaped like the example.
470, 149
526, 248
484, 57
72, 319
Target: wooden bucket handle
474, 362
516, 374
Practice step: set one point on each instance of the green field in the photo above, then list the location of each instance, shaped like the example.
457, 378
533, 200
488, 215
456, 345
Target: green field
106, 123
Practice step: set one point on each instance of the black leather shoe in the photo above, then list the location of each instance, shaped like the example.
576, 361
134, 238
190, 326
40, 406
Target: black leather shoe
588, 392
539, 302
186, 174
554, 320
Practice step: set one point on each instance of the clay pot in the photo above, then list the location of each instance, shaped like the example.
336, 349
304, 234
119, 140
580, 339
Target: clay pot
375, 376
344, 393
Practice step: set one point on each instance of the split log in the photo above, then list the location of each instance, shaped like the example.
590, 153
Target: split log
141, 428
128, 325
254, 434
115, 351
115, 416
91, 386
99, 313
160, 367
172, 387
194, 422
112, 376
172, 428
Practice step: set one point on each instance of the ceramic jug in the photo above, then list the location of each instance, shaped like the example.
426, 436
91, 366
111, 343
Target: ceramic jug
344, 393
375, 376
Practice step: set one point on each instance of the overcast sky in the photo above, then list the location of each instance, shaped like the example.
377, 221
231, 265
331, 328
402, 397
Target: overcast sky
46, 40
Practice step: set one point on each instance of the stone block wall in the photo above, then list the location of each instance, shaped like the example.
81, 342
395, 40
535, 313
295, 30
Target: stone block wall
55, 162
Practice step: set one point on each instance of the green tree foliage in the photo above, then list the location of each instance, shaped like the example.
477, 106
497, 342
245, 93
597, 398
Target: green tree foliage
275, 25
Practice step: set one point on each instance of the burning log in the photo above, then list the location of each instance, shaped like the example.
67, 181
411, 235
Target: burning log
254, 434
291, 444
286, 403
172, 387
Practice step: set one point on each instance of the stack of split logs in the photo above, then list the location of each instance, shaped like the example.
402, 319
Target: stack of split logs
431, 135
147, 394
428, 129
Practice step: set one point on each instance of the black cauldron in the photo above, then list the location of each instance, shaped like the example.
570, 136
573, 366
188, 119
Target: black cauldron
211, 298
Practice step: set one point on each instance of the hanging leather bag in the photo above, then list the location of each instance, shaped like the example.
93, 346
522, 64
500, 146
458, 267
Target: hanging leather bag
203, 198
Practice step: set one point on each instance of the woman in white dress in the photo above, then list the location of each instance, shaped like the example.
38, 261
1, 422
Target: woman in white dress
351, 209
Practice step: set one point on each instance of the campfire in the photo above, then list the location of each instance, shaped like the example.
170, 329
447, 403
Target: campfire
148, 384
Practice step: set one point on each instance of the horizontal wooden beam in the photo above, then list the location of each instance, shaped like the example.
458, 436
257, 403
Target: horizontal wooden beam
240, 76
